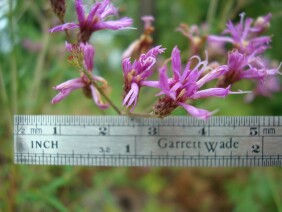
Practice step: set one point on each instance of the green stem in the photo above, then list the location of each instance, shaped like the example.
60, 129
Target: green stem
211, 12
89, 76
38, 70
225, 15
274, 191
4, 98
4, 94
13, 62
68, 36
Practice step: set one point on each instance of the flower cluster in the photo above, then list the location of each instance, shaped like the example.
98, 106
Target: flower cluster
197, 79
82, 53
246, 37
95, 20
183, 86
135, 75
246, 60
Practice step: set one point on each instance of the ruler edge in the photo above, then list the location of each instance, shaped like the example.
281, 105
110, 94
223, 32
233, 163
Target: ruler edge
136, 120
133, 119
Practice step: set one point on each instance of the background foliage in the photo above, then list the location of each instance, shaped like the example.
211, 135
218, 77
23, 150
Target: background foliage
32, 61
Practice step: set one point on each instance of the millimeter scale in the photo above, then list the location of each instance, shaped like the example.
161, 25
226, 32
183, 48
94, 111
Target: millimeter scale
221, 141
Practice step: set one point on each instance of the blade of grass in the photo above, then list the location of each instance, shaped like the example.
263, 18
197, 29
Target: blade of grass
211, 12
14, 101
4, 99
274, 191
38, 70
13, 63
228, 6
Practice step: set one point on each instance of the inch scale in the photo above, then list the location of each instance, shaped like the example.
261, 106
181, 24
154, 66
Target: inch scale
233, 141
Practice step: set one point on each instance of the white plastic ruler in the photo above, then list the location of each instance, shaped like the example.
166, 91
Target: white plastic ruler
132, 141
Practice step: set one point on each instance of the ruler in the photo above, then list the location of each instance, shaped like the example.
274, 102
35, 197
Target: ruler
236, 141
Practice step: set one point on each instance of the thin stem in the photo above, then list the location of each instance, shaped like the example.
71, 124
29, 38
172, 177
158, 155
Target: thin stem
4, 94
68, 36
225, 15
211, 12
274, 192
38, 70
13, 61
4, 99
89, 76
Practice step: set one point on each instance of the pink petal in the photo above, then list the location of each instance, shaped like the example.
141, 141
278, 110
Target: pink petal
247, 27
176, 63
110, 10
126, 66
164, 86
66, 88
220, 39
88, 56
97, 98
186, 71
191, 88
147, 21
71, 84
79, 11
153, 84
212, 92
61, 95
155, 51
132, 95
66, 26
114, 25
93, 12
214, 74
196, 112
103, 6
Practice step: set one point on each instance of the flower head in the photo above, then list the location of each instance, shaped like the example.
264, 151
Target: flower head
135, 75
195, 34
144, 43
59, 8
82, 52
82, 57
262, 23
148, 27
244, 36
94, 20
185, 85
242, 66
83, 82
266, 88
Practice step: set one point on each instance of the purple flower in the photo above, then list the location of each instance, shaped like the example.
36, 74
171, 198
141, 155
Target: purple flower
148, 22
185, 85
245, 67
94, 20
67, 87
262, 23
135, 75
244, 36
195, 34
266, 88
144, 43
82, 57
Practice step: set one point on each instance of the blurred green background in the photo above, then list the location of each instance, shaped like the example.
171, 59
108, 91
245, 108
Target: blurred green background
32, 61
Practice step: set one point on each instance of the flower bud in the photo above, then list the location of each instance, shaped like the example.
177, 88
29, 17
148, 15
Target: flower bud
59, 8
